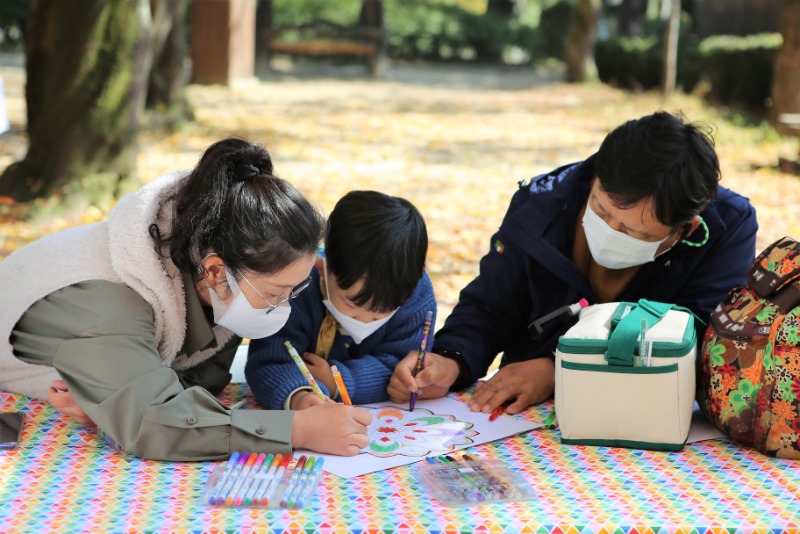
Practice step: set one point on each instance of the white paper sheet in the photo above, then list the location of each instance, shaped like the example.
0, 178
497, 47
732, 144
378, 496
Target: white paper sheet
701, 429
435, 427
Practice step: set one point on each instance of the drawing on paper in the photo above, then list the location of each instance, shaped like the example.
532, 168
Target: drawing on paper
395, 431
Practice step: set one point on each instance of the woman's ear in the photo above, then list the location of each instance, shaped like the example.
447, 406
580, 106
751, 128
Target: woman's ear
212, 271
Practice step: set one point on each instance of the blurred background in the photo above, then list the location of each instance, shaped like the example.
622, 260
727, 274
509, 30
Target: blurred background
448, 103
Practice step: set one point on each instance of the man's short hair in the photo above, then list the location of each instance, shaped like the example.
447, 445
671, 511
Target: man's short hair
660, 156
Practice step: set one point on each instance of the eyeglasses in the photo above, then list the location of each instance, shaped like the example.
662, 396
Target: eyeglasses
292, 294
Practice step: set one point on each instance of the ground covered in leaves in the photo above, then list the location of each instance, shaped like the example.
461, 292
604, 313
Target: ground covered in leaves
453, 140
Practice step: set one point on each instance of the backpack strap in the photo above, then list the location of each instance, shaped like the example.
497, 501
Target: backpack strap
776, 267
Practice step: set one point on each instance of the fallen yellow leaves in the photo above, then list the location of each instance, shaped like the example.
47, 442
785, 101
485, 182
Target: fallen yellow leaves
455, 141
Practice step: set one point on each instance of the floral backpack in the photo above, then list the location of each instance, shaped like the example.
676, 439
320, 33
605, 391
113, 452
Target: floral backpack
749, 376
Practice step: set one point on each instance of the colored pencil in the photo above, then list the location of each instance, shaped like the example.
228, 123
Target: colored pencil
421, 357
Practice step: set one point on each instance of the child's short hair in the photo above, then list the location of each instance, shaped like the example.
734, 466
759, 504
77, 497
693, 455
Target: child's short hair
381, 239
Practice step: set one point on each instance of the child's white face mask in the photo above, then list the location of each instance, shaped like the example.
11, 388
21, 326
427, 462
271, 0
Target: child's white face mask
358, 330
613, 249
242, 318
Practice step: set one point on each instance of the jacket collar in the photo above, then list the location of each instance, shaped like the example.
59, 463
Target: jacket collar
546, 227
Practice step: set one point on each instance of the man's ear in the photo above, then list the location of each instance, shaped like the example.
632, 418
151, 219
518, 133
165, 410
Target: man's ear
691, 226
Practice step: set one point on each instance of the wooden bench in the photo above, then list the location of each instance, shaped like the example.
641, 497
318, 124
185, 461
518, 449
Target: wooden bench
366, 38
791, 123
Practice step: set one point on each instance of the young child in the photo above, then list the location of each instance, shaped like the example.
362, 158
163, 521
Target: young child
364, 311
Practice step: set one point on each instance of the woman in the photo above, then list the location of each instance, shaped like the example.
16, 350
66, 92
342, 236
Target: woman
141, 315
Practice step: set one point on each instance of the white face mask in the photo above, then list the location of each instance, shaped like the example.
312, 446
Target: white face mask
242, 318
358, 330
613, 249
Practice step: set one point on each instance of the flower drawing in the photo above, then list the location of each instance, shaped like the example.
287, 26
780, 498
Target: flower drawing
396, 431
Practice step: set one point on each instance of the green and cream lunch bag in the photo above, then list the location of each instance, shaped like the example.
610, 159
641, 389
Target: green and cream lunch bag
617, 387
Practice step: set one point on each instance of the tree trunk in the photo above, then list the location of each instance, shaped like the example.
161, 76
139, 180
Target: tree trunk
263, 35
503, 8
167, 84
580, 42
630, 18
670, 74
372, 17
85, 91
786, 80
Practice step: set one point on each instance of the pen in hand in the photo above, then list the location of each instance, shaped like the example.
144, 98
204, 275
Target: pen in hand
497, 412
303, 369
421, 357
337, 377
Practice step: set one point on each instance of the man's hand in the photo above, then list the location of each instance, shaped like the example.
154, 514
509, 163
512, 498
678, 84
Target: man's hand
434, 381
530, 382
332, 429
61, 400
321, 370
306, 399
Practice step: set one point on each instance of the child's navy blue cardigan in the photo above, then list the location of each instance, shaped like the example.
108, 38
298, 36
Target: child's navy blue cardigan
366, 368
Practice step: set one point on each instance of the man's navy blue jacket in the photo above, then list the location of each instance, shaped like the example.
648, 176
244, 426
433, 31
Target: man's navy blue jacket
529, 272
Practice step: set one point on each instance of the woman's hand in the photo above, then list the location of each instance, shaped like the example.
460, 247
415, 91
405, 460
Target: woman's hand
61, 400
331, 429
306, 399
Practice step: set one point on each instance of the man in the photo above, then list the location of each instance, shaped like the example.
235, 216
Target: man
642, 218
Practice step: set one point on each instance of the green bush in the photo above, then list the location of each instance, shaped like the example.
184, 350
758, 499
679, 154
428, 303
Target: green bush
739, 69
422, 29
553, 25
638, 62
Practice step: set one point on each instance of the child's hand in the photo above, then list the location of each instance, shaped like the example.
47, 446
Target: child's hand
321, 370
61, 400
306, 399
332, 429
434, 381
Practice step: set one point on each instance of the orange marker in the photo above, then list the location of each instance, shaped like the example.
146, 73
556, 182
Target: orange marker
337, 377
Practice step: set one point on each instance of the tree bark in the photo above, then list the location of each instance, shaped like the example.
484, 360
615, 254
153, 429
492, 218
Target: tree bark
670, 74
786, 80
504, 8
630, 18
85, 91
169, 48
580, 42
167, 84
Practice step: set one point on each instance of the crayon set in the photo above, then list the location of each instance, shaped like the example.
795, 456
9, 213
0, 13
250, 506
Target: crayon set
263, 480
469, 481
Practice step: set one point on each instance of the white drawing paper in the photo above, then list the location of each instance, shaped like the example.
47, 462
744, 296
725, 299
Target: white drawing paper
435, 427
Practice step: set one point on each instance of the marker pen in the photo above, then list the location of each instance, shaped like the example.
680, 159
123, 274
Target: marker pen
537, 328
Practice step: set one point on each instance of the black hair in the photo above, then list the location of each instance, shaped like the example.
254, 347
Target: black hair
380, 238
232, 205
662, 157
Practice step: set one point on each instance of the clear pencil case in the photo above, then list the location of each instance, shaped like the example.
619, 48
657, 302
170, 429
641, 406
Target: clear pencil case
282, 487
471, 481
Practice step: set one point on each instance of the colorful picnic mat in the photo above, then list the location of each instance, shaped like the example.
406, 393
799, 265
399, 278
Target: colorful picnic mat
64, 479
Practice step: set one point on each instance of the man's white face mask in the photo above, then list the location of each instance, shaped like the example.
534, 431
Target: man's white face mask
613, 249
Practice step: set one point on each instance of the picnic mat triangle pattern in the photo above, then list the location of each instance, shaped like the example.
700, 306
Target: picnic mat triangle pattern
64, 478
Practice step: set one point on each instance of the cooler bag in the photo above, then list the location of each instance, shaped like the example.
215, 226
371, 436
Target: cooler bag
618, 388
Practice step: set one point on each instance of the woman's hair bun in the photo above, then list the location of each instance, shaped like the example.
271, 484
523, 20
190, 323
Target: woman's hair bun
246, 171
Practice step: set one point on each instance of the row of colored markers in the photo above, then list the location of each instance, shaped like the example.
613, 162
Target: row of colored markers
253, 479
